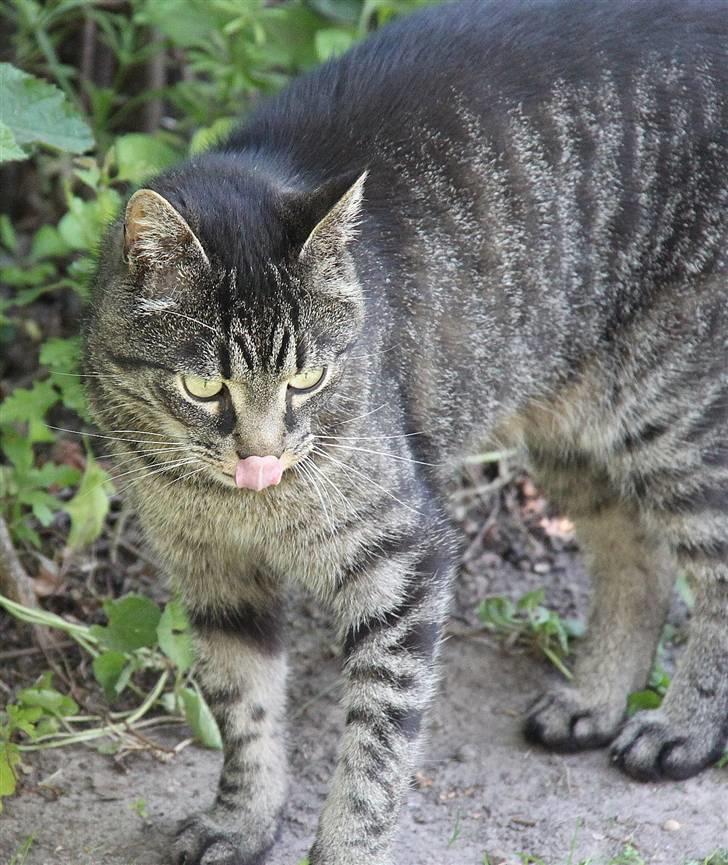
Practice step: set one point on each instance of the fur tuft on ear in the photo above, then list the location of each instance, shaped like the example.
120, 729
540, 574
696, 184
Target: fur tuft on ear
337, 227
156, 237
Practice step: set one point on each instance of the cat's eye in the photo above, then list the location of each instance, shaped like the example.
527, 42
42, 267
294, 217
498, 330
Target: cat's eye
202, 388
307, 380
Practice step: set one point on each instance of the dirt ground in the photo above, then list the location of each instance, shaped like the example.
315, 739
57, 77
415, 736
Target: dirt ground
479, 789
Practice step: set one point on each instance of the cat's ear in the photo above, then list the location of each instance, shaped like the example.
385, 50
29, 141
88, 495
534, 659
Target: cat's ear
332, 213
156, 236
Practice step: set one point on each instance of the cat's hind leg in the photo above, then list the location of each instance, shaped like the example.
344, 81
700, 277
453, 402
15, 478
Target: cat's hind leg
633, 575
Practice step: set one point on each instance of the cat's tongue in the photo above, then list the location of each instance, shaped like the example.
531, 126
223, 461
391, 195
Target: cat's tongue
257, 473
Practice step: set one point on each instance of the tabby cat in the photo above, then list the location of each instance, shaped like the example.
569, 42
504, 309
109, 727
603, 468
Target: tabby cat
491, 219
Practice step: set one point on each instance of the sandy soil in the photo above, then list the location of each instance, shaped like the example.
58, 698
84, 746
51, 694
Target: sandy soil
479, 788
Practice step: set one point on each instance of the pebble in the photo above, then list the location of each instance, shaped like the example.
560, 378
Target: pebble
496, 857
466, 754
671, 826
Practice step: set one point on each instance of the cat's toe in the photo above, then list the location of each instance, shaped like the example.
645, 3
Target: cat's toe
199, 842
564, 721
652, 748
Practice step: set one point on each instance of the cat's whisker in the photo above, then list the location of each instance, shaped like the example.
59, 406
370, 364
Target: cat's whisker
360, 416
129, 456
304, 473
111, 438
366, 478
170, 464
184, 477
191, 318
111, 375
319, 473
381, 454
359, 438
149, 474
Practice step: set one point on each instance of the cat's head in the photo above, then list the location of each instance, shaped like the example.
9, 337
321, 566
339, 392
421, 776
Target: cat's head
222, 312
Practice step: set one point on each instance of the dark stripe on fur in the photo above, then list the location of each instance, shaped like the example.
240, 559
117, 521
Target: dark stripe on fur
261, 627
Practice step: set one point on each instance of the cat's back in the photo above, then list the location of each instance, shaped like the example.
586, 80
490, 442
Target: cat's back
489, 54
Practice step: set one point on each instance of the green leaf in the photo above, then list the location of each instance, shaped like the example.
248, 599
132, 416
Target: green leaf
200, 718
109, 668
36, 112
9, 150
34, 275
48, 243
82, 227
24, 718
639, 700
333, 42
133, 622
139, 156
48, 699
61, 355
88, 508
185, 22
346, 11
29, 405
9, 758
174, 637
208, 136
7, 232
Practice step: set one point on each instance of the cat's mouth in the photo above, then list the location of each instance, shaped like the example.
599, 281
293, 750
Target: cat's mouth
258, 473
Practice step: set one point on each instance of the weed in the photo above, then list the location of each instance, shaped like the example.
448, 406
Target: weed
139, 640
528, 623
21, 854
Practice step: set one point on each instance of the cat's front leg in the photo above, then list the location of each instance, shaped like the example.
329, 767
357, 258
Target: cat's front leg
389, 667
242, 671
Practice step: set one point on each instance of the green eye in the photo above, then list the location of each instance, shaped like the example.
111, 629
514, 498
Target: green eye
307, 380
201, 388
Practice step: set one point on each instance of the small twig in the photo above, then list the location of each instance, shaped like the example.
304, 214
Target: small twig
156, 79
88, 56
14, 581
31, 650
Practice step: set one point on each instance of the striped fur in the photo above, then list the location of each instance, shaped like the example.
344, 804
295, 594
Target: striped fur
499, 221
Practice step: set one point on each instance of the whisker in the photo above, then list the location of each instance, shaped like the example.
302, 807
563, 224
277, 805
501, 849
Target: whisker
381, 454
356, 471
190, 318
359, 417
304, 473
150, 474
358, 438
319, 473
183, 477
111, 438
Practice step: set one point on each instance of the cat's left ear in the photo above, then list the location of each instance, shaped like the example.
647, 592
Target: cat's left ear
330, 215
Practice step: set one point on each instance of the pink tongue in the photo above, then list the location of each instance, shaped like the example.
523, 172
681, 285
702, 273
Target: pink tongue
257, 473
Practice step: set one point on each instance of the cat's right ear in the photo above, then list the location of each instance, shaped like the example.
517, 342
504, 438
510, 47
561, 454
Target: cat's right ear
156, 236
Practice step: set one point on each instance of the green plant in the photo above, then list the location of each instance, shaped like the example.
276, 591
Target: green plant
529, 623
21, 854
140, 643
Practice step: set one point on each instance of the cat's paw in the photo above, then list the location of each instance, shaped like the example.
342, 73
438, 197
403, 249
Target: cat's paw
200, 841
563, 720
651, 747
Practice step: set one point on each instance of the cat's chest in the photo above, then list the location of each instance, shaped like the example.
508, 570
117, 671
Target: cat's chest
237, 530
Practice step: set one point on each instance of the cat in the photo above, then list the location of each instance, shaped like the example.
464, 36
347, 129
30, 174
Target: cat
490, 220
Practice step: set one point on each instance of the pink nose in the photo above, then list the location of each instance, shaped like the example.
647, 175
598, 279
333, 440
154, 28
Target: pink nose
257, 473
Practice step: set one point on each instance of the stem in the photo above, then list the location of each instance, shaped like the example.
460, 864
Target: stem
14, 581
